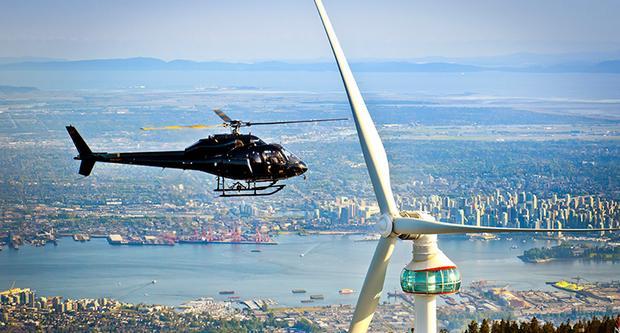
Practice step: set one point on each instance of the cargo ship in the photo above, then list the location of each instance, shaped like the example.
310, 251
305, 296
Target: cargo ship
346, 291
191, 241
567, 286
241, 242
298, 291
227, 292
317, 297
81, 237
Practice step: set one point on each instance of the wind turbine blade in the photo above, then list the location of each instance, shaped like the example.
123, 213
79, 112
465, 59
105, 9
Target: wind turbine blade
412, 226
372, 147
373, 286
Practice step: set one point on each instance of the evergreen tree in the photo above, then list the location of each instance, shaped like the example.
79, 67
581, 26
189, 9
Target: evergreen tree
579, 327
496, 327
548, 328
565, 328
534, 326
472, 327
594, 325
484, 327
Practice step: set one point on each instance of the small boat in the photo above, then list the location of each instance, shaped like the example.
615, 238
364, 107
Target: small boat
483, 236
514, 247
369, 238
298, 291
227, 292
451, 301
346, 291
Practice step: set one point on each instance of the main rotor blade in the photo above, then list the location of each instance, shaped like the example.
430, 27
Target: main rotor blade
413, 226
249, 123
179, 127
372, 147
222, 115
373, 286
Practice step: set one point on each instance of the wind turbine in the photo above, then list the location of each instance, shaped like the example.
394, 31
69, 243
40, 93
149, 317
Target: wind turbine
430, 271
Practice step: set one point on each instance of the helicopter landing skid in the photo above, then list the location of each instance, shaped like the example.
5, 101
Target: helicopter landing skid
246, 189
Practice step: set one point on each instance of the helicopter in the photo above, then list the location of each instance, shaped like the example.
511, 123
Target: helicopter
255, 167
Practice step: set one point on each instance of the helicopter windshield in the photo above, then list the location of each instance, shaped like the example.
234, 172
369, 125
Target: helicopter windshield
289, 155
274, 157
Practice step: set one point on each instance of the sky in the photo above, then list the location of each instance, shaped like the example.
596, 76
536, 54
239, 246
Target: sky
252, 30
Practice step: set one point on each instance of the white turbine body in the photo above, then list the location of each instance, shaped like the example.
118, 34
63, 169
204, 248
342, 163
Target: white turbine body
417, 226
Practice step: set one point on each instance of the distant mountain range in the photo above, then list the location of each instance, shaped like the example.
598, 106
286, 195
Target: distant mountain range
15, 90
152, 64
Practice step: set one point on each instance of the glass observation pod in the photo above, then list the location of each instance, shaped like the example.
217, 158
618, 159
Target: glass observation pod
441, 280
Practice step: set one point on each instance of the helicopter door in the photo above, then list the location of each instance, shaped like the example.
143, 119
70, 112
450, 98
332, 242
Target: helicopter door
256, 162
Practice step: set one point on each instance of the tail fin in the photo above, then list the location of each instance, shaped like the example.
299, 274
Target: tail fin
79, 143
85, 154
86, 167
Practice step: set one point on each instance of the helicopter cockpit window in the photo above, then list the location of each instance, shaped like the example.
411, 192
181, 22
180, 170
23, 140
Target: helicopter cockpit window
256, 157
273, 157
290, 156
257, 141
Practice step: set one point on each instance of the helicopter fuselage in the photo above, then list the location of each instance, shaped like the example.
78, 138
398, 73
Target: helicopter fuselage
234, 156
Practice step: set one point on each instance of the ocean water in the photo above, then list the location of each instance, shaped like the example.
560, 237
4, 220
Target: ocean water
330, 263
498, 84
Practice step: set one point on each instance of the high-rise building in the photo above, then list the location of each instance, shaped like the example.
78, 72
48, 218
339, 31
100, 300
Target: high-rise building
462, 218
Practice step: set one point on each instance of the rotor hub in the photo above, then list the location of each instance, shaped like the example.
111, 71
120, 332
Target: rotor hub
384, 225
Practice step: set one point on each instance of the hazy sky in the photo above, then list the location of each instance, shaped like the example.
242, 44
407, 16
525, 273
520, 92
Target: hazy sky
291, 29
